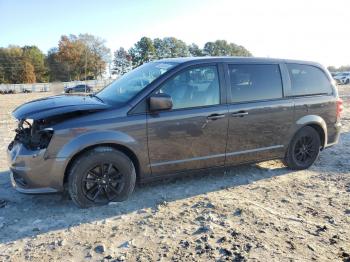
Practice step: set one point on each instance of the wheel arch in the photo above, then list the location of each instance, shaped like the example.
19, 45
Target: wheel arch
315, 122
122, 148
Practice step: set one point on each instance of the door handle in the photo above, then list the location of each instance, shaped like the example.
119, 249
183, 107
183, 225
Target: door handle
215, 116
239, 114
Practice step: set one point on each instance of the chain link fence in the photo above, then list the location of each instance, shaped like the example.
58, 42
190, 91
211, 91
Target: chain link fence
56, 87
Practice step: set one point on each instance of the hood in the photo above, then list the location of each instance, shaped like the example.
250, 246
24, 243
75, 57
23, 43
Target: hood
58, 105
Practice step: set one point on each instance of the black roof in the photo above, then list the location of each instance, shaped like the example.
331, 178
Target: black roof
235, 59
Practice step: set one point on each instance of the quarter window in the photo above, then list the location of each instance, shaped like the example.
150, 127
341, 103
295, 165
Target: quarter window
308, 80
194, 87
252, 82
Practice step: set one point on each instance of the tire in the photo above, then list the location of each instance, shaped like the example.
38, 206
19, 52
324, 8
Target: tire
100, 176
303, 150
347, 81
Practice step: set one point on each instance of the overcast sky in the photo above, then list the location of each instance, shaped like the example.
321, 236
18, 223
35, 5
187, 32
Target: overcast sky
297, 29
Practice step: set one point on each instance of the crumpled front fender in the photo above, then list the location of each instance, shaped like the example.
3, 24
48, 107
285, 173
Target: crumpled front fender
94, 138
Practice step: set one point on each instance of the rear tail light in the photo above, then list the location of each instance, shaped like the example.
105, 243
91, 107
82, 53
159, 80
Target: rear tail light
339, 107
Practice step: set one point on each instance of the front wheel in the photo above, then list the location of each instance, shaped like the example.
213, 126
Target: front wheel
100, 176
304, 149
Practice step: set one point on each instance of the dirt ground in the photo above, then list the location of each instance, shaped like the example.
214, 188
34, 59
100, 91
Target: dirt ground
261, 212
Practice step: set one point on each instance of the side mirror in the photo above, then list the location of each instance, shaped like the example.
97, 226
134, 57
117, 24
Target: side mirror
160, 102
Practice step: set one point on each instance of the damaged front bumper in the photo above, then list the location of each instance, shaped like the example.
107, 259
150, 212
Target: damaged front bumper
32, 172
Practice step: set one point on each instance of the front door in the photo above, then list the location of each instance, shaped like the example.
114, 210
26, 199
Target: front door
193, 133
261, 119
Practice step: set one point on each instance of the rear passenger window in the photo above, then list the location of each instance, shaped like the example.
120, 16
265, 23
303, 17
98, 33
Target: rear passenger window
252, 82
308, 80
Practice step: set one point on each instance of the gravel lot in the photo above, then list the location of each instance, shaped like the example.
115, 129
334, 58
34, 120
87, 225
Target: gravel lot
261, 212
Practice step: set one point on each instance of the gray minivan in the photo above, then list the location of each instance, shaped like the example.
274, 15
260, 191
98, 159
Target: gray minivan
174, 116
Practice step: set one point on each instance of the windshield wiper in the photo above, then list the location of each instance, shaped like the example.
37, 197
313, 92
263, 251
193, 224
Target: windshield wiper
94, 95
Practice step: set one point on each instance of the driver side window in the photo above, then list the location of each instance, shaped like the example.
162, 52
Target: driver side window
194, 87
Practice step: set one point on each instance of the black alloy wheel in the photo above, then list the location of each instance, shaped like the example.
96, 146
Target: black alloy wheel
103, 183
304, 149
99, 176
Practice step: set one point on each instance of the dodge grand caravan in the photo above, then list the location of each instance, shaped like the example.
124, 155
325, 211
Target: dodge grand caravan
174, 116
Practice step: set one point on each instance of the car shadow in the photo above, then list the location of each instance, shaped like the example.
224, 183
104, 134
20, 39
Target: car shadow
31, 215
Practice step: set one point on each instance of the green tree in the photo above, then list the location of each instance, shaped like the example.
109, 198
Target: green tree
210, 49
160, 49
170, 47
122, 62
16, 61
142, 52
2, 74
239, 50
195, 50
222, 48
57, 70
11, 60
33, 55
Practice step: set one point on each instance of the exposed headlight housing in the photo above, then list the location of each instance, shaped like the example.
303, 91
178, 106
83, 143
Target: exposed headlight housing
33, 134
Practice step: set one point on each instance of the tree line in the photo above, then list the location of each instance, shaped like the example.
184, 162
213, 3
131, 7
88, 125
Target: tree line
84, 56
146, 50
76, 58
343, 68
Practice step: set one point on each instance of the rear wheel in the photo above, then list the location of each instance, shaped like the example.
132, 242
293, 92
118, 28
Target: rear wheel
304, 149
100, 176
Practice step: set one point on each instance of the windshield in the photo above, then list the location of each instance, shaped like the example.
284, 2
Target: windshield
126, 87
